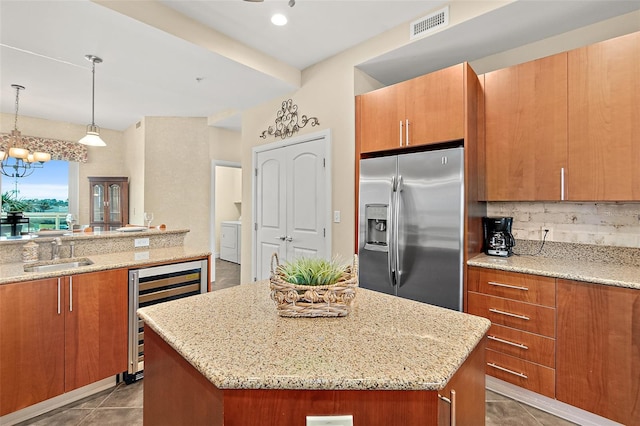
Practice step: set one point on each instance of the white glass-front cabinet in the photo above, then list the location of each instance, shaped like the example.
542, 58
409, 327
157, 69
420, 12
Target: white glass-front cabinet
109, 202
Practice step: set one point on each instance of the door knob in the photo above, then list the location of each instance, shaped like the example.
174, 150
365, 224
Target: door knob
288, 239
281, 237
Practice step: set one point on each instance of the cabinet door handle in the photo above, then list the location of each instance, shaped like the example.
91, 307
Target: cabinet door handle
70, 294
58, 296
508, 342
452, 405
509, 314
506, 370
407, 131
400, 132
516, 287
562, 183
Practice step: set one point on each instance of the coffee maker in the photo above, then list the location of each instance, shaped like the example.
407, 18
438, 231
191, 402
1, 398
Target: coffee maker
498, 239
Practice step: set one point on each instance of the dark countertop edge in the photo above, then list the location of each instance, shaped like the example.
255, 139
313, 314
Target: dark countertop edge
104, 264
488, 262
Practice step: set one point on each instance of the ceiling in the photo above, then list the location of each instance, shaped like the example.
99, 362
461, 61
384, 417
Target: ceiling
173, 62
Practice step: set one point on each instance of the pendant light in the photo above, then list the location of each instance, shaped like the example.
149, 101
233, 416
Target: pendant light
93, 132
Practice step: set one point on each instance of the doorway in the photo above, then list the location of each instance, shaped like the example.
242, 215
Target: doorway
226, 209
292, 201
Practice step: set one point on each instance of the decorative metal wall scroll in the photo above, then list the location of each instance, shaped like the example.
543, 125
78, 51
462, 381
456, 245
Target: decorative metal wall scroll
287, 122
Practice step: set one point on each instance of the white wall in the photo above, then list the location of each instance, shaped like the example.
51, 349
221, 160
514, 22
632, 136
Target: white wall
177, 186
134, 149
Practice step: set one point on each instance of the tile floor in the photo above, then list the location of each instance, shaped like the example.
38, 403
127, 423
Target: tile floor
122, 405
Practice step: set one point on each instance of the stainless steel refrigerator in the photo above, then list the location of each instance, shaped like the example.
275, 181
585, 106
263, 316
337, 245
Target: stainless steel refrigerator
411, 226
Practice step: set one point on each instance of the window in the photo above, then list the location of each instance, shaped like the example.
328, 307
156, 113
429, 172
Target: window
43, 196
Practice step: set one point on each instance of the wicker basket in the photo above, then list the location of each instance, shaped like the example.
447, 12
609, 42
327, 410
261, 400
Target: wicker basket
294, 300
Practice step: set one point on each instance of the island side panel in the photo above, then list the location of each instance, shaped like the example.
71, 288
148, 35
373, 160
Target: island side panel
251, 407
174, 392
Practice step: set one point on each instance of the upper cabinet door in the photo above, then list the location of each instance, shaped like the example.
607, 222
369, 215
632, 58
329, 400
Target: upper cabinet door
434, 107
421, 111
604, 121
526, 130
380, 113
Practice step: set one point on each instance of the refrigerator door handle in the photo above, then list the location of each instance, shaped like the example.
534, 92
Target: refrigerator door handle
391, 234
396, 231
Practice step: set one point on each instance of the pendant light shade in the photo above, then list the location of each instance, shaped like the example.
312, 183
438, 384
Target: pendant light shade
93, 132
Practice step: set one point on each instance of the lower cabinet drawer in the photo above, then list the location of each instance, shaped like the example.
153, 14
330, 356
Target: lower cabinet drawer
535, 377
523, 316
524, 345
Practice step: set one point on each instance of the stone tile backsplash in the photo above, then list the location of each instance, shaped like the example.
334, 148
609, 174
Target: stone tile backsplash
602, 224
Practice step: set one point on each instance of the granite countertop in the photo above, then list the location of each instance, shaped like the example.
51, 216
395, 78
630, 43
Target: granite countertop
613, 274
14, 272
78, 236
235, 338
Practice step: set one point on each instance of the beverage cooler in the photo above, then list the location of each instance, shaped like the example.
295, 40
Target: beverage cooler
157, 284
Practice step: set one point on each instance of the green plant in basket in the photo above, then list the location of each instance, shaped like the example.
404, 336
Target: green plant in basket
313, 271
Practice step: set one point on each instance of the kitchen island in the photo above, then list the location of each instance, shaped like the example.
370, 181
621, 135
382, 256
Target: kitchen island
227, 358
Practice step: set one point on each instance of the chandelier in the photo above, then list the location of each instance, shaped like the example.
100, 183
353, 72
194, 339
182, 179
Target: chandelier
15, 160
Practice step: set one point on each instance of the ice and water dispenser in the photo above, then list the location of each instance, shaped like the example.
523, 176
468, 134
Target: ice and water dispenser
376, 237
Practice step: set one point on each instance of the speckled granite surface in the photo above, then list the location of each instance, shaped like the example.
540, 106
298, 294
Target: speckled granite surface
629, 256
566, 267
92, 243
14, 272
236, 339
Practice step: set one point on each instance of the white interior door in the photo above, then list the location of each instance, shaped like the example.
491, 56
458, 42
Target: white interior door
271, 209
306, 207
292, 202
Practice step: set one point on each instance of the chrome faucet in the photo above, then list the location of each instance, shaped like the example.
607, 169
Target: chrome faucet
55, 251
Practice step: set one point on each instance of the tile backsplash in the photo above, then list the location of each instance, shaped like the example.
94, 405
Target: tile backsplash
603, 224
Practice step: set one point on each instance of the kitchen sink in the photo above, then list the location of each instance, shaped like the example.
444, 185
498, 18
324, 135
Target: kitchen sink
58, 265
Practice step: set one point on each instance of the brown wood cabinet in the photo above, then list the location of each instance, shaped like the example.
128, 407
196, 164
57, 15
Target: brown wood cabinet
61, 334
522, 338
526, 130
32, 343
604, 121
96, 326
421, 111
566, 127
598, 349
109, 202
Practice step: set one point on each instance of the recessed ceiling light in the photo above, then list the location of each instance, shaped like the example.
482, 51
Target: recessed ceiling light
279, 19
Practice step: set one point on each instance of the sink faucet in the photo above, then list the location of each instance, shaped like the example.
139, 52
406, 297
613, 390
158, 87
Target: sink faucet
55, 251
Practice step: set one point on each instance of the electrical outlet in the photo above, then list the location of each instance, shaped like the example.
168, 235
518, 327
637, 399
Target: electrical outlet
141, 255
330, 420
336, 216
141, 242
549, 232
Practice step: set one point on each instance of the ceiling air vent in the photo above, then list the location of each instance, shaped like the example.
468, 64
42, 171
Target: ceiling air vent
429, 23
